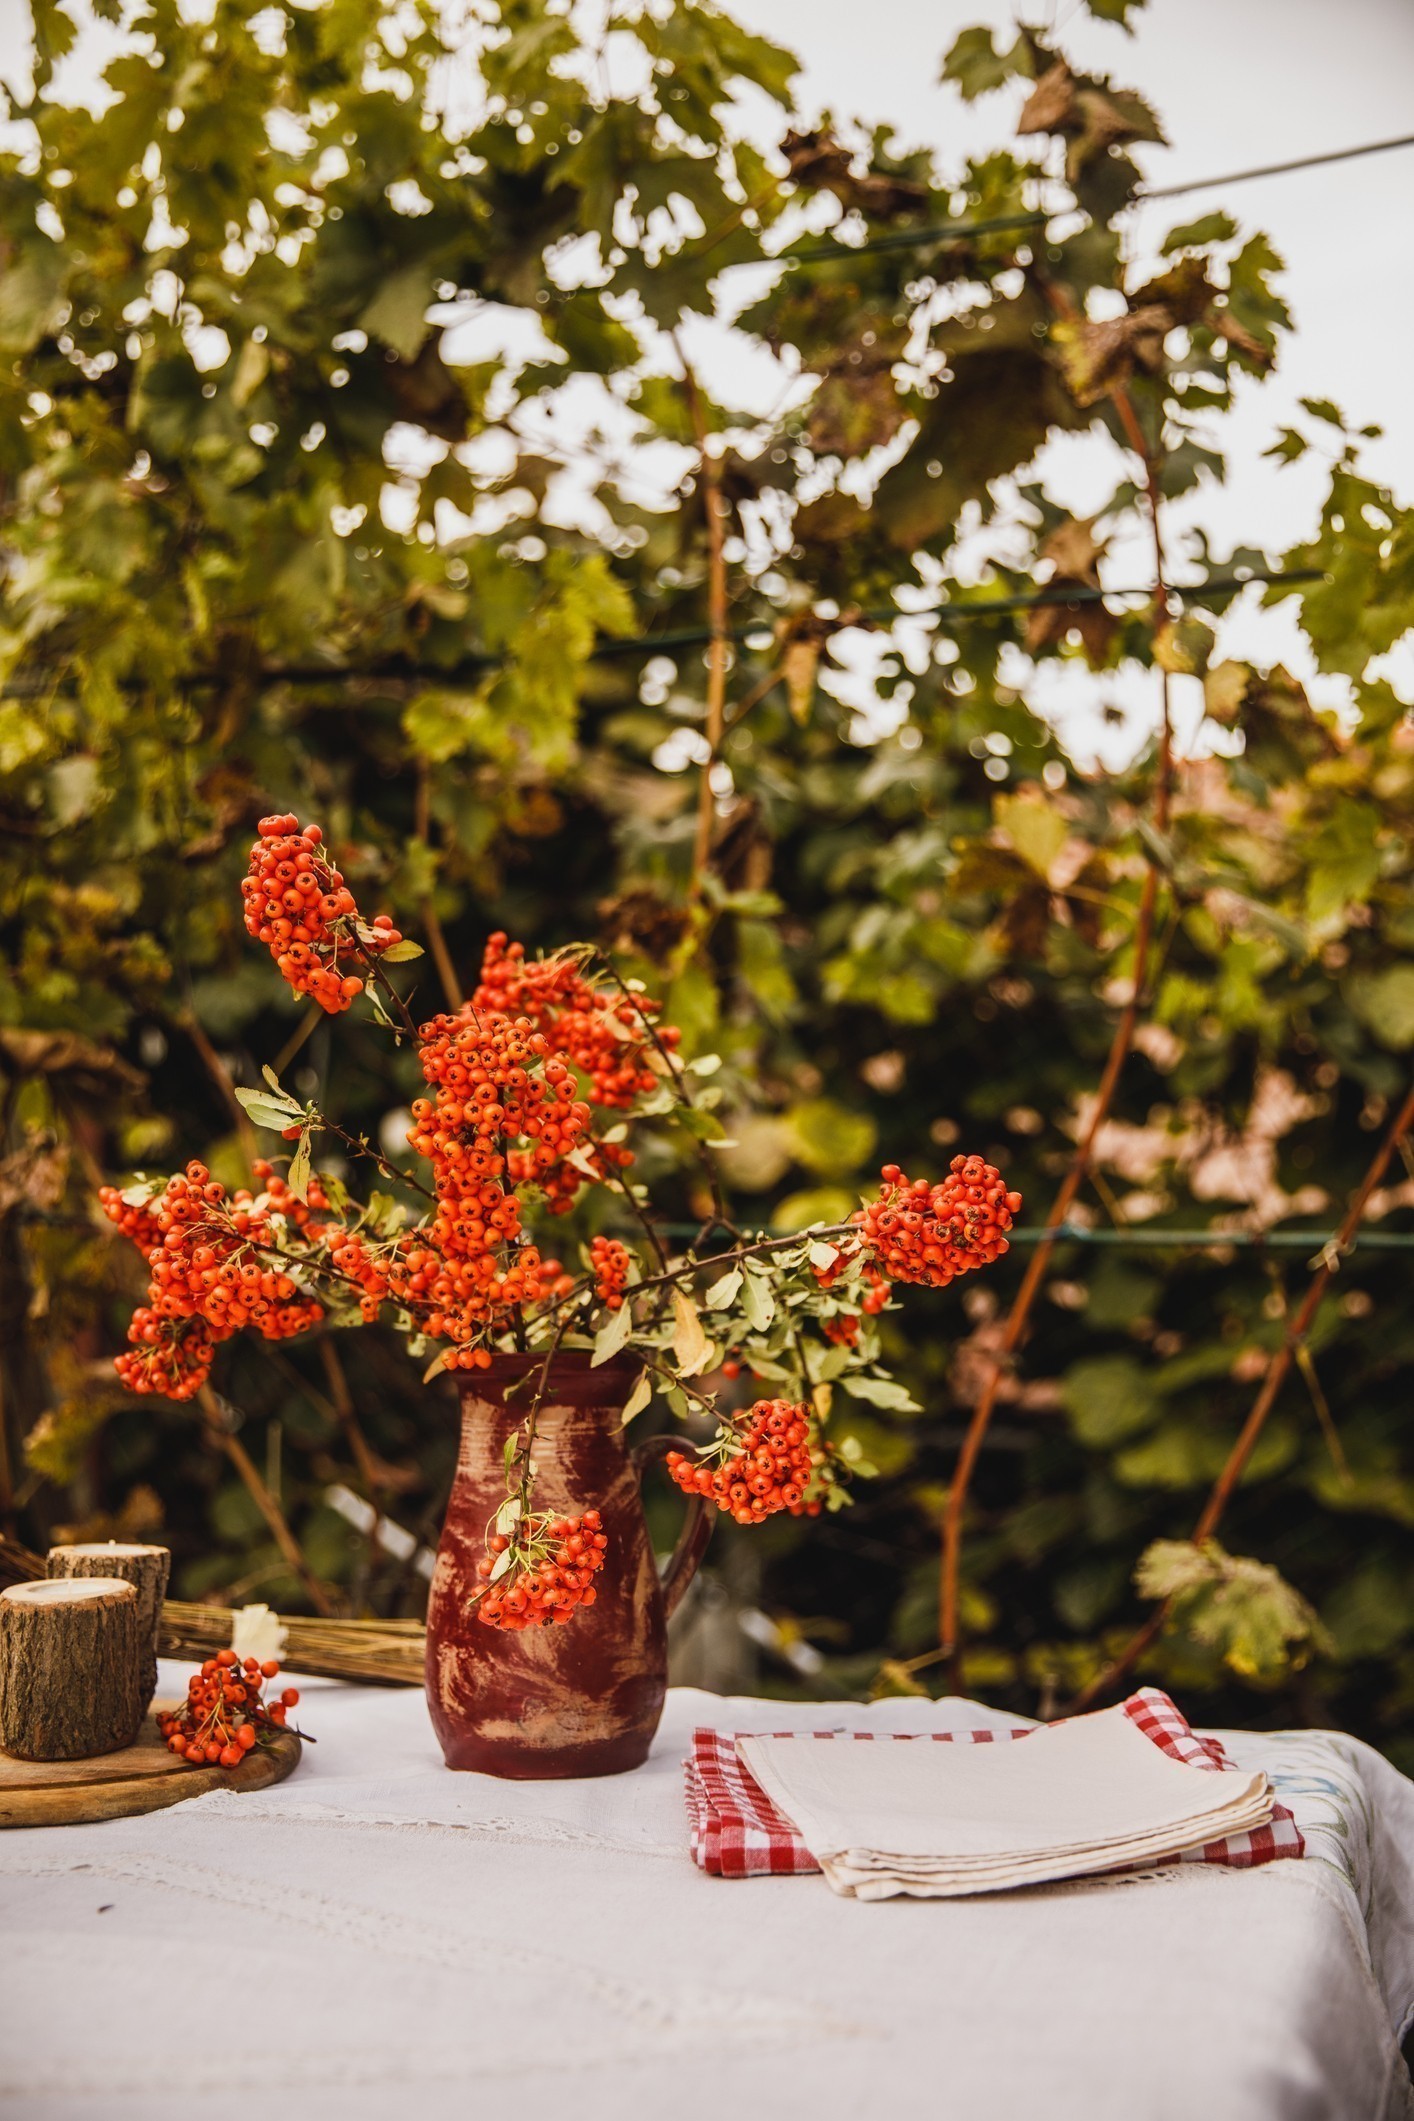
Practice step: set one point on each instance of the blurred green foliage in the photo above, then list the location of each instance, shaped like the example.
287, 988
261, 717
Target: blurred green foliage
269, 541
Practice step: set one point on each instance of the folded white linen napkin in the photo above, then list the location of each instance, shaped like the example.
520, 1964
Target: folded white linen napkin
1089, 1795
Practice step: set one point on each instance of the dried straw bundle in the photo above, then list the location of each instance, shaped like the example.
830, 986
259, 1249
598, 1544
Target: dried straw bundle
386, 1652
382, 1651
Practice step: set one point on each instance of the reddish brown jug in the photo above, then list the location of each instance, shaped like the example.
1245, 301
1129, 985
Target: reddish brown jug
585, 1698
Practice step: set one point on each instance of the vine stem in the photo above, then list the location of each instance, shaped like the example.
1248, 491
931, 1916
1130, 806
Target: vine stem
427, 912
541, 1387
1293, 1343
1120, 1045
623, 1187
673, 1277
717, 638
221, 1077
370, 961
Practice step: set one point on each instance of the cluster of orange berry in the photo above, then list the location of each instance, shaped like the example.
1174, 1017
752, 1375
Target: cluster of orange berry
225, 1715
843, 1327
609, 1263
203, 1251
495, 1080
604, 1034
551, 1569
931, 1233
171, 1357
766, 1465
298, 904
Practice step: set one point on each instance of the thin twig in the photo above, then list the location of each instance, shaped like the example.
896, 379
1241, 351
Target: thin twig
617, 1184
717, 639
361, 1146
221, 1438
1036, 1269
427, 912
677, 1076
220, 1076
304, 1030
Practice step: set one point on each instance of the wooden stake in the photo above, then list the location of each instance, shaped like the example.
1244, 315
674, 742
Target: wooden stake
72, 1668
145, 1568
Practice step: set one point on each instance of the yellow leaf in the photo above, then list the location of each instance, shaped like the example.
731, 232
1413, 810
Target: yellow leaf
690, 1344
1036, 829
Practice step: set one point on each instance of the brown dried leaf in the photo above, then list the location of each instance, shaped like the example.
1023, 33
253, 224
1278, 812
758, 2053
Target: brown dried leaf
800, 663
1099, 358
92, 1068
818, 162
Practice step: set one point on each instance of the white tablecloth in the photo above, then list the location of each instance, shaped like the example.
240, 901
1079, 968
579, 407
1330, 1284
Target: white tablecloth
377, 1937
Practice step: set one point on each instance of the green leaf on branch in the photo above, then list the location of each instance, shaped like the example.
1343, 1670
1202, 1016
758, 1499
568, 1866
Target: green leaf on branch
881, 1392
758, 1299
723, 1290
268, 1110
1384, 1003
1258, 1623
830, 1138
1109, 1398
976, 67
401, 953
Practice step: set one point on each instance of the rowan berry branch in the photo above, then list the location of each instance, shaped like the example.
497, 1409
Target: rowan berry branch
674, 1277
1293, 1344
361, 1146
426, 911
369, 959
677, 1080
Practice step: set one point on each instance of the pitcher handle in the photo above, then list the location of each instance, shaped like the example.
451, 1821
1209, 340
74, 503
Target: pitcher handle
695, 1533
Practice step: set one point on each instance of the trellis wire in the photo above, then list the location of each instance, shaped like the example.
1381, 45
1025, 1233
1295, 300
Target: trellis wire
1154, 1240
946, 231
650, 644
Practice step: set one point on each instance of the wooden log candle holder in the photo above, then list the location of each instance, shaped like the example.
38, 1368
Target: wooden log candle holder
73, 1666
145, 1568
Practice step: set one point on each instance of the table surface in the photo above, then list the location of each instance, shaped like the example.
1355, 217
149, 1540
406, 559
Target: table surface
378, 1937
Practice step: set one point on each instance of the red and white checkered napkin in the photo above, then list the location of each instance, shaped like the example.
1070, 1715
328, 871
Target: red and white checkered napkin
737, 1832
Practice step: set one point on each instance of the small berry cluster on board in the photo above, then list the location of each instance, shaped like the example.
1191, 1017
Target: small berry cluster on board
533, 1089
225, 1715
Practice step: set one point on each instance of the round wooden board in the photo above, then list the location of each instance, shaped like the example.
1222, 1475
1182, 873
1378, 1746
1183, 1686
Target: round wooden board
143, 1777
